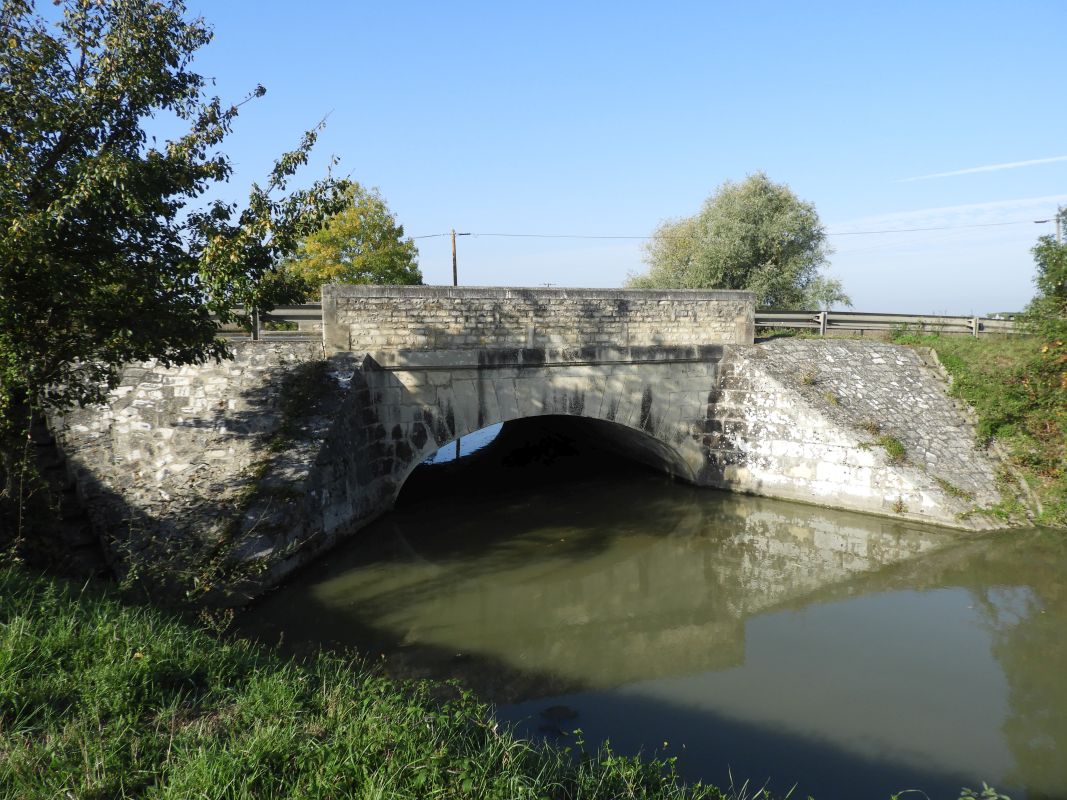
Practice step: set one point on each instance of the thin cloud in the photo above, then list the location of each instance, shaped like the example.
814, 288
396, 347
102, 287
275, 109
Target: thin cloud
998, 211
986, 168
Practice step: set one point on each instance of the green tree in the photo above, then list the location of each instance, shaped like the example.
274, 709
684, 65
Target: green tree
360, 244
1047, 316
755, 235
1047, 312
102, 258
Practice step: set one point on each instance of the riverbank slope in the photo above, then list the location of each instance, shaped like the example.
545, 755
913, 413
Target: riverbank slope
103, 700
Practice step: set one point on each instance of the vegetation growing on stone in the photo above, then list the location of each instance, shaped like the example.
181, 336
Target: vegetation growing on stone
1006, 380
952, 490
872, 426
894, 448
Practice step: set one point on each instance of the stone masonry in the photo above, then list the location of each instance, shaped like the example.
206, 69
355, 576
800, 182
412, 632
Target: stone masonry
801, 418
164, 468
382, 319
234, 474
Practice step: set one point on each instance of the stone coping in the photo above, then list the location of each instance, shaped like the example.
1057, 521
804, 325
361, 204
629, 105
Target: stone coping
333, 292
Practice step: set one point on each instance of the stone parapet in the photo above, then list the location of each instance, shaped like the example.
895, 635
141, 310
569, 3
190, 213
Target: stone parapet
382, 319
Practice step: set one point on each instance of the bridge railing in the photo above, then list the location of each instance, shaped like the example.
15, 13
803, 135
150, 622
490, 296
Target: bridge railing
830, 321
308, 317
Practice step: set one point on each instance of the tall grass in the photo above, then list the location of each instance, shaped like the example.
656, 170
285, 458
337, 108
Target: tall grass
1003, 378
102, 700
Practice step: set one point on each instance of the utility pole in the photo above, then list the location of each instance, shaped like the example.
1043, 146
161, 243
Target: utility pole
455, 282
455, 274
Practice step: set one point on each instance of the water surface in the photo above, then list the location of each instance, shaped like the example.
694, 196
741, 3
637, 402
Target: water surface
852, 655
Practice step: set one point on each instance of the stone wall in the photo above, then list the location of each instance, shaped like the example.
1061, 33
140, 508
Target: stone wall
381, 319
237, 473
802, 419
796, 419
433, 398
168, 468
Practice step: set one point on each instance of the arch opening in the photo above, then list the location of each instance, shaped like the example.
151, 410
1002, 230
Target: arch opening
465, 445
532, 448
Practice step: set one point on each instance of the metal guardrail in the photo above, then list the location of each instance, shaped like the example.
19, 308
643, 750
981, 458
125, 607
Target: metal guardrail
309, 314
824, 321
305, 316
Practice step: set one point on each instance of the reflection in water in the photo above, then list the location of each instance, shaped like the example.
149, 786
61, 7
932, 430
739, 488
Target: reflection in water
854, 654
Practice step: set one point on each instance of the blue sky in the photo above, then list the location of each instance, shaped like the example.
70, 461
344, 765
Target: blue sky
606, 118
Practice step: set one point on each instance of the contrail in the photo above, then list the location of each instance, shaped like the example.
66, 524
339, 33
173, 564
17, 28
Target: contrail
986, 168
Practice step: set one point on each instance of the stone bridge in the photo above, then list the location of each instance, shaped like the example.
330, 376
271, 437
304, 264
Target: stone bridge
236, 473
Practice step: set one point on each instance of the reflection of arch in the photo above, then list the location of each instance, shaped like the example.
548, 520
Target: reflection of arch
615, 437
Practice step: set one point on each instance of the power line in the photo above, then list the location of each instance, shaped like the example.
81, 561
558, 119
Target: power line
939, 228
566, 236
676, 236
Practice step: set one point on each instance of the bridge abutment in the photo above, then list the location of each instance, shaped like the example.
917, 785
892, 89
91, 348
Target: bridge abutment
230, 476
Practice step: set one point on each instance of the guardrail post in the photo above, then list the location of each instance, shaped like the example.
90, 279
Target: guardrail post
255, 325
822, 323
974, 327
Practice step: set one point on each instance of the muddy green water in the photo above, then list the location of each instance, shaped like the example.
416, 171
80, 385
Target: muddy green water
851, 655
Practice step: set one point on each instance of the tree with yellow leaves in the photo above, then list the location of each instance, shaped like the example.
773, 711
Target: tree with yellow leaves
360, 244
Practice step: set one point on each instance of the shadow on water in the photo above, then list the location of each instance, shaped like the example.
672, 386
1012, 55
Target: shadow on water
854, 654
724, 750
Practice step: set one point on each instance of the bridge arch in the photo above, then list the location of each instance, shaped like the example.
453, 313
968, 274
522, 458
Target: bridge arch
435, 405
397, 416
611, 437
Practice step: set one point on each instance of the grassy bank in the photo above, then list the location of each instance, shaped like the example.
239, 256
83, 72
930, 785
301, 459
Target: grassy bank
1000, 378
102, 700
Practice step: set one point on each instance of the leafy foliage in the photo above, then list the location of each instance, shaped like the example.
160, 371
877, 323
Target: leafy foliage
360, 244
755, 235
100, 265
1047, 312
102, 261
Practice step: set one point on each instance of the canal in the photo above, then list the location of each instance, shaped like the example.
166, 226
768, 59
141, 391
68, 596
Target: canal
758, 640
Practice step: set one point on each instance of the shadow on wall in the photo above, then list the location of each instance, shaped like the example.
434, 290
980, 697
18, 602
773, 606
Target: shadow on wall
186, 503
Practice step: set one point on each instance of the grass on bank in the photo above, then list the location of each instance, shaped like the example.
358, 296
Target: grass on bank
103, 700
99, 699
1000, 378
